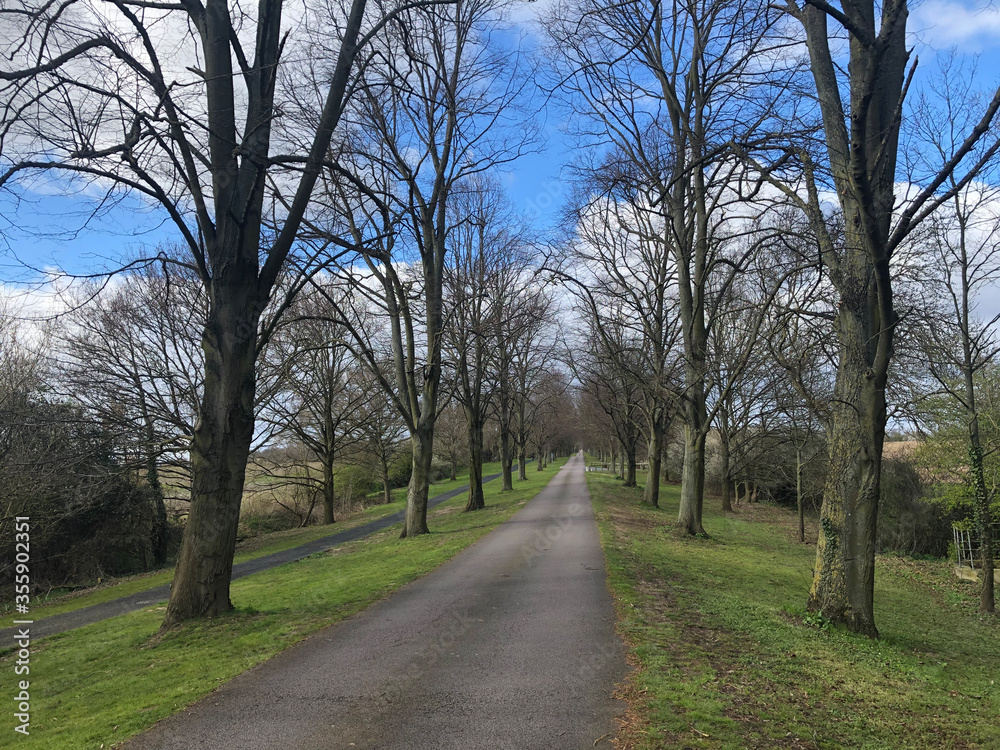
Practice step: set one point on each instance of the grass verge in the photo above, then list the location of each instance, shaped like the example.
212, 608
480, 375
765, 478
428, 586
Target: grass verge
726, 656
96, 686
250, 549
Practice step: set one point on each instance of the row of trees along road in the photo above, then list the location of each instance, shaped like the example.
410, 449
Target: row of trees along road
739, 200
289, 162
729, 186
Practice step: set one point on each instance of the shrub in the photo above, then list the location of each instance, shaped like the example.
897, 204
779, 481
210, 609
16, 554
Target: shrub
354, 483
89, 517
400, 469
910, 522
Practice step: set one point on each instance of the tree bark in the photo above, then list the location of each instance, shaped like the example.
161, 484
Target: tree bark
476, 499
386, 492
843, 587
506, 456
219, 451
984, 521
651, 492
727, 500
798, 494
693, 470
630, 471
415, 522
862, 146
329, 493
692, 482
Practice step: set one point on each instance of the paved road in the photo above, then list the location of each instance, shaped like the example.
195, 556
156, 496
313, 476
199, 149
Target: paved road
510, 645
133, 602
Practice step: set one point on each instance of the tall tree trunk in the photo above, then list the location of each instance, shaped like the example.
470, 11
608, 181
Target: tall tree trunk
522, 461
476, 499
219, 451
415, 522
329, 492
695, 409
798, 494
843, 586
538, 450
724, 469
386, 492
692, 482
862, 159
506, 455
160, 535
984, 521
693, 472
651, 492
983, 516
630, 471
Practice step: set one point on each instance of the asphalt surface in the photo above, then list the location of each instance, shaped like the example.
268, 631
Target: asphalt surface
511, 644
123, 605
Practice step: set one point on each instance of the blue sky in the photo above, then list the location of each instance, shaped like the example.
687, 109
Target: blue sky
51, 230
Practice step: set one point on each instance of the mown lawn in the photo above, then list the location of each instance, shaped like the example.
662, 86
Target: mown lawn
726, 656
95, 686
250, 549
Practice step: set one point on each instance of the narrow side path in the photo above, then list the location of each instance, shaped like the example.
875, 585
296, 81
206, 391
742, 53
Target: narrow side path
77, 618
510, 644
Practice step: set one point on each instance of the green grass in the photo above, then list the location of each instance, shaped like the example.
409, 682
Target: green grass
728, 658
98, 685
250, 549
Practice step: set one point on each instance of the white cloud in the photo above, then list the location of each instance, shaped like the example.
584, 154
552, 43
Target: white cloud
944, 23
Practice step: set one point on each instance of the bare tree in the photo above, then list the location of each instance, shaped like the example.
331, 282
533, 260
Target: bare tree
614, 389
535, 353
439, 108
166, 101
626, 281
862, 136
550, 408
382, 431
963, 238
664, 89
743, 409
452, 436
482, 243
316, 399
130, 354
59, 464
522, 311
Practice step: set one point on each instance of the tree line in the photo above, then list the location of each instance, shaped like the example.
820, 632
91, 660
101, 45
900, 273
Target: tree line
765, 224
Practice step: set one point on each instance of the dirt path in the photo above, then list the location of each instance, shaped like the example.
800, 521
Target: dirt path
96, 612
511, 644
